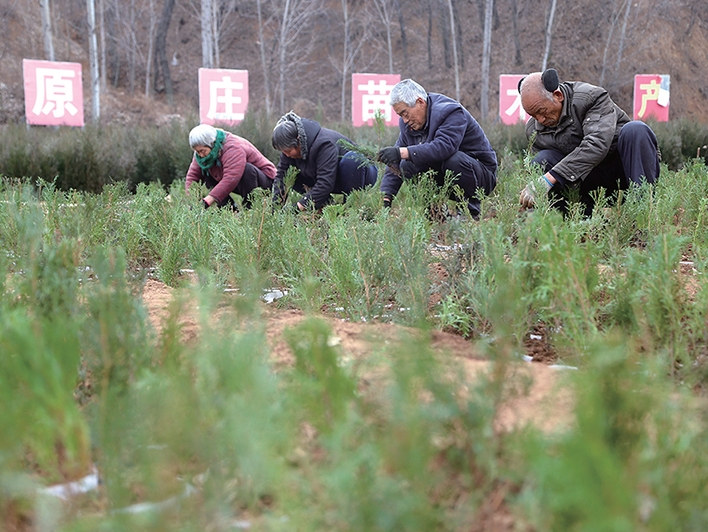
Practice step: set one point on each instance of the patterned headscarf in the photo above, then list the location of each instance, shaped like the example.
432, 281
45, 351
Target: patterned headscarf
301, 135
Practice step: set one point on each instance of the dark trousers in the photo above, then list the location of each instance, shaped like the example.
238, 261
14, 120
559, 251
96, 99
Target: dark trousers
351, 175
468, 173
636, 160
251, 179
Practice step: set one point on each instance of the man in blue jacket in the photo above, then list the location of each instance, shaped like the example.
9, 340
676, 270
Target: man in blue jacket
437, 133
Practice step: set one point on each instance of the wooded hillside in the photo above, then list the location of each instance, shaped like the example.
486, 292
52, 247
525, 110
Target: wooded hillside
300, 53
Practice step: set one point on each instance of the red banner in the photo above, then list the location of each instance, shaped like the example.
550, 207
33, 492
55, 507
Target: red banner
510, 110
651, 97
53, 93
223, 95
370, 96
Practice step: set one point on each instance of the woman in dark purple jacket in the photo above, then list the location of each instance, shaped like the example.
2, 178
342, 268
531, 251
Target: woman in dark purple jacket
324, 166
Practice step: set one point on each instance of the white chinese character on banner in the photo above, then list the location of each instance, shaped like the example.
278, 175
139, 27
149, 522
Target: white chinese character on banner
54, 92
374, 98
221, 93
515, 107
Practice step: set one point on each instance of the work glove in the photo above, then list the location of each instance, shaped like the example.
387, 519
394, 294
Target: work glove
387, 200
205, 204
390, 156
532, 190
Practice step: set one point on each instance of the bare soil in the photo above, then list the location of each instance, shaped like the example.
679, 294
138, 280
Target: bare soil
535, 392
538, 394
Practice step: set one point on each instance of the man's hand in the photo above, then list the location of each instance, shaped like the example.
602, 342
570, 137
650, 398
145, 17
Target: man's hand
539, 186
390, 156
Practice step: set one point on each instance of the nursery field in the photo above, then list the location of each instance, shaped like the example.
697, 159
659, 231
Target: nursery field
166, 367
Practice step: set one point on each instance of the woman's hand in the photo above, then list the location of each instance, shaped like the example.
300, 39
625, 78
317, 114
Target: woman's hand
209, 200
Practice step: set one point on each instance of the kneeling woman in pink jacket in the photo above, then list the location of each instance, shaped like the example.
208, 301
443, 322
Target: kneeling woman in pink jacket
226, 163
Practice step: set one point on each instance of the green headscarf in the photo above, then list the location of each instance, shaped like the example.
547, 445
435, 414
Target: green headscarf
207, 162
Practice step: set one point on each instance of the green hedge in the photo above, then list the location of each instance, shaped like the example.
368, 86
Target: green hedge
87, 159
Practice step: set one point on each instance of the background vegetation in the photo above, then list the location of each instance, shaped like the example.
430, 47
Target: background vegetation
223, 439
300, 54
87, 159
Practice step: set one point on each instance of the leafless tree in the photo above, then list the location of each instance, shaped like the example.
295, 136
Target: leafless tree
290, 29
150, 44
207, 22
453, 39
445, 32
132, 44
47, 30
614, 21
402, 25
429, 4
131, 23
213, 16
457, 19
354, 37
162, 66
515, 32
486, 57
384, 12
223, 11
623, 33
262, 53
549, 34
93, 61
102, 39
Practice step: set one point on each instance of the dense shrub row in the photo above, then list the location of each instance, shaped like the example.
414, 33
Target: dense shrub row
400, 440
87, 159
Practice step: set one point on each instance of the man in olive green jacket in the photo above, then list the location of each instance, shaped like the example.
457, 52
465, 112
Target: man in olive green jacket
582, 139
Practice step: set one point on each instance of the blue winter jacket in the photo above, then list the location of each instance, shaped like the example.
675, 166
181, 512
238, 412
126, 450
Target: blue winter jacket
449, 128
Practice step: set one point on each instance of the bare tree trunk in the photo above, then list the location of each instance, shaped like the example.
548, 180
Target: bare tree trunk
132, 46
151, 37
47, 30
549, 34
93, 62
345, 57
486, 58
623, 33
430, 34
215, 32
608, 42
261, 46
445, 32
221, 12
112, 48
282, 53
453, 39
515, 31
384, 8
296, 16
350, 50
460, 46
402, 24
207, 20
102, 38
162, 66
